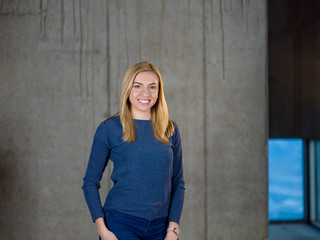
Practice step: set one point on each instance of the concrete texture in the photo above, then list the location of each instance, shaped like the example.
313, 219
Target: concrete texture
62, 64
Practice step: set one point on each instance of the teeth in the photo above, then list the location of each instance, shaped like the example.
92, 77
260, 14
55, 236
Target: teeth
143, 101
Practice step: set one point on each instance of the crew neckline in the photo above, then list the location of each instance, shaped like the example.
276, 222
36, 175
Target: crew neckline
142, 120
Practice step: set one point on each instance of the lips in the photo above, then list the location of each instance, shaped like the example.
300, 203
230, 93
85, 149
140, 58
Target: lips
143, 101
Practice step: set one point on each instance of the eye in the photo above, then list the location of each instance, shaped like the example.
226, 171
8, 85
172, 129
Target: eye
136, 86
153, 87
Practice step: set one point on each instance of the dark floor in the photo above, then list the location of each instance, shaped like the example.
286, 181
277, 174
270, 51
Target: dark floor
293, 231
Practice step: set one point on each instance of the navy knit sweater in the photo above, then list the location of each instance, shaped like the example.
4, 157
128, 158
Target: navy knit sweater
147, 175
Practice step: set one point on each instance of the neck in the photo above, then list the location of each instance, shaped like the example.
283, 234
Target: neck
141, 116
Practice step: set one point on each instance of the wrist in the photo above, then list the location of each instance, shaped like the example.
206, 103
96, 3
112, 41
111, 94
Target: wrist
101, 226
174, 230
173, 224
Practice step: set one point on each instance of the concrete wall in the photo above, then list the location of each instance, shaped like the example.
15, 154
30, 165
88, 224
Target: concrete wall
62, 64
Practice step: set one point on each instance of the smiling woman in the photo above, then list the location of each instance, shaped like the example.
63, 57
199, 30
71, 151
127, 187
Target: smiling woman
145, 147
144, 94
158, 113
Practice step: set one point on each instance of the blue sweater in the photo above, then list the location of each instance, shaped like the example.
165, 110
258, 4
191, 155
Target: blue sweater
147, 175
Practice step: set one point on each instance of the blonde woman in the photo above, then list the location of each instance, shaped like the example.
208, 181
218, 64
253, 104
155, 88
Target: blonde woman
144, 145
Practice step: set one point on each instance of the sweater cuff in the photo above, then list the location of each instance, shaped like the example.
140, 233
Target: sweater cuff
95, 217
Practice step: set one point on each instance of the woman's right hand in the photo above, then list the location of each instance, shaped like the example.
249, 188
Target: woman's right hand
103, 231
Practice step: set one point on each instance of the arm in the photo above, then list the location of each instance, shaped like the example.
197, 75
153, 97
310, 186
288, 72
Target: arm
91, 182
177, 194
98, 160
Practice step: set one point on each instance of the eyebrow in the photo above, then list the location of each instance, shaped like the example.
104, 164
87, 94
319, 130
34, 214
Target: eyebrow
142, 84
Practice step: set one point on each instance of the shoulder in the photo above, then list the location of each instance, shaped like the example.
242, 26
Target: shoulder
175, 125
108, 126
176, 132
112, 122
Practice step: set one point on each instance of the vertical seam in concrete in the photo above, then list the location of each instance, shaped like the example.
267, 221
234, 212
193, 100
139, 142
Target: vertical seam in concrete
108, 57
40, 7
81, 47
43, 21
138, 29
74, 29
92, 69
119, 56
126, 33
87, 47
222, 39
189, 14
163, 6
92, 90
62, 21
211, 15
204, 80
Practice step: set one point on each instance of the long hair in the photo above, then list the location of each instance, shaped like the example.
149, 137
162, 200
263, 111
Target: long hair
161, 124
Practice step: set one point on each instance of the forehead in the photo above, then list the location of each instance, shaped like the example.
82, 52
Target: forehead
146, 77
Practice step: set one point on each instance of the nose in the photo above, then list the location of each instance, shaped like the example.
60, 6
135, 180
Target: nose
145, 92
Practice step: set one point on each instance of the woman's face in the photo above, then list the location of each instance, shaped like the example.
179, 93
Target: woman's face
144, 94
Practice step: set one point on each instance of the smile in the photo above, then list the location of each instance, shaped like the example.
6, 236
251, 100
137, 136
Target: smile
143, 101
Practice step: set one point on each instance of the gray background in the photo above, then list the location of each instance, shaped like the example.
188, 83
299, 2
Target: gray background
62, 64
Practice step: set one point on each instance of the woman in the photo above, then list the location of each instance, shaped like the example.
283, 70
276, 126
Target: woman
147, 196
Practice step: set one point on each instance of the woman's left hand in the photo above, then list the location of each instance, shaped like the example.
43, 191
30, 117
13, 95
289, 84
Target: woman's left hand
171, 236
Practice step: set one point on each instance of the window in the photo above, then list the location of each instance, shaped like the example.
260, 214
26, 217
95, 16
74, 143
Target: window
314, 179
286, 179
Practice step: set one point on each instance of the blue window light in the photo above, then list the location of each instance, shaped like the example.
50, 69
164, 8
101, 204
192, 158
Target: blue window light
286, 191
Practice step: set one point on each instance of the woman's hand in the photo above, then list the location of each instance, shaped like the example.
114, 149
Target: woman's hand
108, 236
171, 236
103, 231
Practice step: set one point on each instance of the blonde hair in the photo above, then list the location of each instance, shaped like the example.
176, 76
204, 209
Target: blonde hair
161, 124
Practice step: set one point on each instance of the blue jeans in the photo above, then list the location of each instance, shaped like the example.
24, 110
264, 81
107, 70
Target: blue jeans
128, 227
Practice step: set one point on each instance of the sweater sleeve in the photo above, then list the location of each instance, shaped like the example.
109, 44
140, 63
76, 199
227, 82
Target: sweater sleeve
98, 160
177, 194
